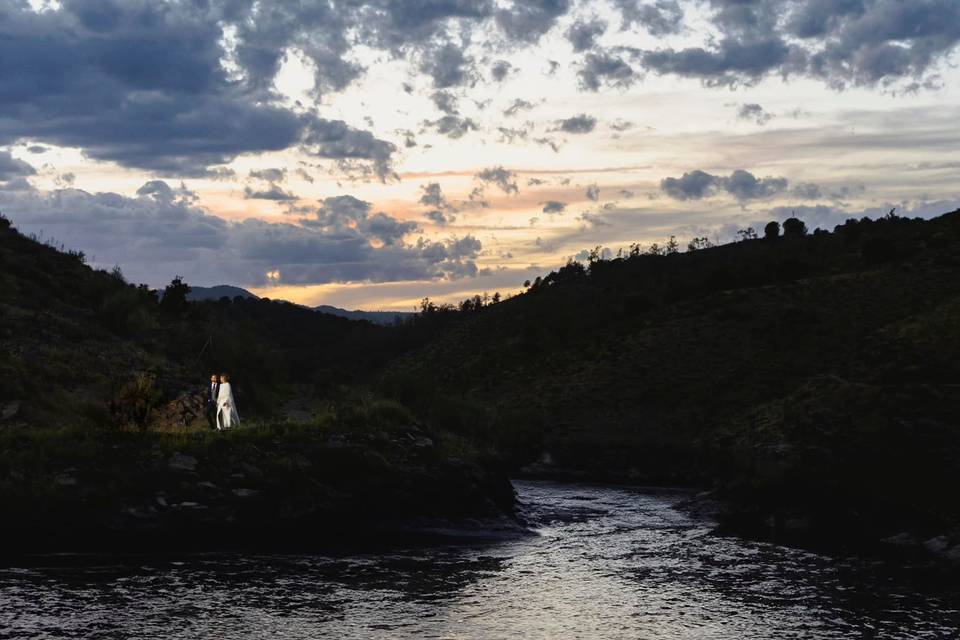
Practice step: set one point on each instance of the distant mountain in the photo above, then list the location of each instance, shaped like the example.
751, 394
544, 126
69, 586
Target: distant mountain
229, 291
217, 292
376, 317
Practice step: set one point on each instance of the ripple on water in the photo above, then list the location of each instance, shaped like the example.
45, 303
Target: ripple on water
608, 563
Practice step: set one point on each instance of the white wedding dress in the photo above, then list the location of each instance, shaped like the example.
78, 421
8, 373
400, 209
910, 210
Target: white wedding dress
227, 416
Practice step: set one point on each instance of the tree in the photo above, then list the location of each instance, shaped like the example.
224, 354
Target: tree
174, 299
672, 246
794, 228
747, 234
699, 243
771, 231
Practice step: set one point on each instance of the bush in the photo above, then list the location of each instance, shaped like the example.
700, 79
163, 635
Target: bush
136, 400
794, 228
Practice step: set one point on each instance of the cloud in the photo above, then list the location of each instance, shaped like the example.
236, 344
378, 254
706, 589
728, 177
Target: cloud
448, 66
11, 168
452, 126
807, 191
664, 17
272, 192
516, 106
442, 209
605, 68
500, 70
753, 112
732, 62
269, 175
553, 206
439, 217
593, 192
446, 102
337, 140
841, 42
510, 135
527, 21
583, 34
163, 192
505, 179
158, 235
741, 184
581, 123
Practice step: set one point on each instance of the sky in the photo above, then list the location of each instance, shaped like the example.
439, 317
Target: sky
370, 153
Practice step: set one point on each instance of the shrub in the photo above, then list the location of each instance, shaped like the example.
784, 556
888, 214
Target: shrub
136, 400
794, 228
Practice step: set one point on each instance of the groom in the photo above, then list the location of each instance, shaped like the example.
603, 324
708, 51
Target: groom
212, 400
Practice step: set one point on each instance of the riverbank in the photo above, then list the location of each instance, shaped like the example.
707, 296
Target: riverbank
267, 487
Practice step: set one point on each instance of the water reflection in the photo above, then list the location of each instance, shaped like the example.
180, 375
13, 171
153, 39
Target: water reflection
607, 563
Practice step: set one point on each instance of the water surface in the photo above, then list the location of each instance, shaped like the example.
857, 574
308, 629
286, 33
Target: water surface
605, 563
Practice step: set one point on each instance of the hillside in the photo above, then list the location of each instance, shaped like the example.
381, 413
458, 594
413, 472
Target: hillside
104, 443
759, 367
810, 379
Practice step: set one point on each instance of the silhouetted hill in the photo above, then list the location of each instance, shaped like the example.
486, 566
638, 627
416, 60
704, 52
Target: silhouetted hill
377, 317
229, 291
217, 292
814, 376
104, 443
810, 378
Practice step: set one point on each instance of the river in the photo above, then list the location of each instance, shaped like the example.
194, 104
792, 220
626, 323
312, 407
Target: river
606, 562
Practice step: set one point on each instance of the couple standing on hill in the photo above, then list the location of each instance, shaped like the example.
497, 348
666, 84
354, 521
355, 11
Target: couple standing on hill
221, 409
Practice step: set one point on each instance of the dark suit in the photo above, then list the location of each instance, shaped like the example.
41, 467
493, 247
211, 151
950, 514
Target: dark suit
212, 391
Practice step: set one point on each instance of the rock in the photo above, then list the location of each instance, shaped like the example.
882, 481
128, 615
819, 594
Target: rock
9, 409
245, 493
182, 462
206, 484
251, 470
937, 545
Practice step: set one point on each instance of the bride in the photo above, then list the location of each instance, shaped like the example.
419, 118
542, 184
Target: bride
227, 415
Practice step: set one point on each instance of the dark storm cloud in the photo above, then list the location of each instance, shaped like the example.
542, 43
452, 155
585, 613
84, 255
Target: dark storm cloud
581, 123
583, 34
741, 184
